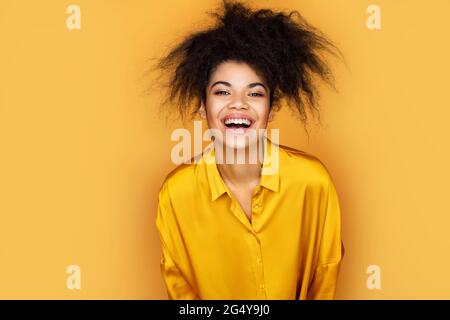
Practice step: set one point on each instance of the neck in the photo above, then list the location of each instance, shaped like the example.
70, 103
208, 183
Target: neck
239, 174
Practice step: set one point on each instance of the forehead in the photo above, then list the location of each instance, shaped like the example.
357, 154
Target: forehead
236, 73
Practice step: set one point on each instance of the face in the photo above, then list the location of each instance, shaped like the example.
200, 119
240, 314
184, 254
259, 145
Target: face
237, 104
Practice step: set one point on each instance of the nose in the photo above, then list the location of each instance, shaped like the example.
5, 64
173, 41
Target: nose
238, 103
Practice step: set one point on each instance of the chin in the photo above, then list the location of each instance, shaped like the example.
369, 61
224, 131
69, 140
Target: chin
240, 140
238, 143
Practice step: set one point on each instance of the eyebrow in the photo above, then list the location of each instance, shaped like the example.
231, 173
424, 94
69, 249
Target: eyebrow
251, 85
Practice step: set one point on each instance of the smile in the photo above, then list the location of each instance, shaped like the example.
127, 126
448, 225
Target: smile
234, 121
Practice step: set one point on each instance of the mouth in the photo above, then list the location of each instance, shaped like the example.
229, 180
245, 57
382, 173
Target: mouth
237, 122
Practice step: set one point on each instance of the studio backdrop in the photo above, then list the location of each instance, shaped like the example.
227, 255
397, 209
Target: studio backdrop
84, 146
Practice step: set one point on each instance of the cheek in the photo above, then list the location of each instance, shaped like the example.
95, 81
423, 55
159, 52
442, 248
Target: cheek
263, 112
212, 116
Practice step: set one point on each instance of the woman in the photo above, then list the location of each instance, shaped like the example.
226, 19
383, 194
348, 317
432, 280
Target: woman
264, 229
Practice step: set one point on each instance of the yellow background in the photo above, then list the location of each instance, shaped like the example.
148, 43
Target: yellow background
83, 153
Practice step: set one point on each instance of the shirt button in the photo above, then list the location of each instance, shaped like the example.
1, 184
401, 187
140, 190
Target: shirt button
262, 286
256, 206
258, 260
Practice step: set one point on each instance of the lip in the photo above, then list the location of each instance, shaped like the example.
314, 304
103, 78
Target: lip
237, 116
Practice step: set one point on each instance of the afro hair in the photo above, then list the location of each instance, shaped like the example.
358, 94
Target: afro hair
282, 47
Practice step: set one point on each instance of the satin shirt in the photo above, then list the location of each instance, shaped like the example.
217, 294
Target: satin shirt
290, 249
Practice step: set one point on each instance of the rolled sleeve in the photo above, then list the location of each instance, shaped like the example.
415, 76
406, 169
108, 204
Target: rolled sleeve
177, 286
331, 251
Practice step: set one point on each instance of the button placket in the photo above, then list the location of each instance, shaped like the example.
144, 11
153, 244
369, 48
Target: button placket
240, 215
256, 200
257, 207
259, 268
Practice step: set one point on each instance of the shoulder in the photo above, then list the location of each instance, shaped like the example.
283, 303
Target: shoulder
180, 181
299, 166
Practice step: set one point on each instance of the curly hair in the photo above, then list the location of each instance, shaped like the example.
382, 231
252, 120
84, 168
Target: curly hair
284, 50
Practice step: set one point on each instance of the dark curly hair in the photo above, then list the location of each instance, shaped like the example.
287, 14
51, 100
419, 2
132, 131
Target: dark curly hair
284, 50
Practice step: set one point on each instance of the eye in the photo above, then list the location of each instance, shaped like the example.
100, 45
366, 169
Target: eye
220, 92
256, 94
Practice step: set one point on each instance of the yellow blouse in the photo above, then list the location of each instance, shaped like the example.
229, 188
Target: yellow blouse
291, 248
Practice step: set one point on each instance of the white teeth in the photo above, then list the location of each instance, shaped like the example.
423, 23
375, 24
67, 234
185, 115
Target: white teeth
238, 121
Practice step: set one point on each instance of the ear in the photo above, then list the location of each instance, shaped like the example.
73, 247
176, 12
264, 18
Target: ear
202, 111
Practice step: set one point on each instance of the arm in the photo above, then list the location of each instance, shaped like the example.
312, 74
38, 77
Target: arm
331, 251
176, 284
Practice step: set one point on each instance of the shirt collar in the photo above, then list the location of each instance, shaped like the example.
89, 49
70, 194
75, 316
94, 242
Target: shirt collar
270, 177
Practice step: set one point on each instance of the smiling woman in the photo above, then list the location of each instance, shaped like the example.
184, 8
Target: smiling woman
223, 225
237, 102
